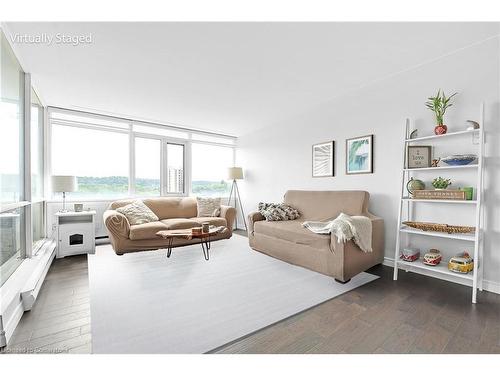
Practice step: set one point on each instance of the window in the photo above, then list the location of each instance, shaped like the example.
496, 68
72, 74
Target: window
213, 139
209, 169
147, 166
12, 224
160, 130
37, 224
96, 149
11, 128
175, 168
37, 206
36, 134
98, 158
12, 242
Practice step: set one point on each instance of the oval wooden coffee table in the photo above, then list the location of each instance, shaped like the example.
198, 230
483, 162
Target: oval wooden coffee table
205, 238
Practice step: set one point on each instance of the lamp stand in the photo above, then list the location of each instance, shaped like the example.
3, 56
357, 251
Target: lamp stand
237, 198
64, 202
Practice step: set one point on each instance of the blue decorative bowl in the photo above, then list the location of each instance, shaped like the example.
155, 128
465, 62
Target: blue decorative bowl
459, 159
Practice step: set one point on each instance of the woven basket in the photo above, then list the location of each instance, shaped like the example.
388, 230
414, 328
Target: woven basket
436, 227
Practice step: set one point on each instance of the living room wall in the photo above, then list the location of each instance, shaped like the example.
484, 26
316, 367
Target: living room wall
278, 157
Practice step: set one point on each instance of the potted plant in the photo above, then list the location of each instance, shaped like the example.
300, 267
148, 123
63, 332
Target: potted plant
441, 183
438, 104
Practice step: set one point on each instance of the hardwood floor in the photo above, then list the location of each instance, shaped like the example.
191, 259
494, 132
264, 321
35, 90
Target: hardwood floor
60, 319
417, 314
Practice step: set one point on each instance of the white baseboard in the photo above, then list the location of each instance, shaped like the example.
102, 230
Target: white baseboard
490, 286
13, 321
27, 278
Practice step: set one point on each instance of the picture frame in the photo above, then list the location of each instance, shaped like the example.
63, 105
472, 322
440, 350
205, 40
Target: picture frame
418, 157
323, 159
359, 155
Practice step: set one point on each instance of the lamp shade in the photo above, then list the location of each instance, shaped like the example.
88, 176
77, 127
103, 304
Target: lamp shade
235, 173
64, 184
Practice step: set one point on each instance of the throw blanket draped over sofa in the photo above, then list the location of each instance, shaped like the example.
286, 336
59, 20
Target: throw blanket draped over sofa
345, 228
292, 243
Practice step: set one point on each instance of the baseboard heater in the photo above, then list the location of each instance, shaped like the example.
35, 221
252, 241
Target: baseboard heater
34, 283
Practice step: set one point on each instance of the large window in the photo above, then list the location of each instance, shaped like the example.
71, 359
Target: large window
114, 157
12, 225
209, 169
175, 168
98, 158
37, 196
11, 125
147, 167
36, 135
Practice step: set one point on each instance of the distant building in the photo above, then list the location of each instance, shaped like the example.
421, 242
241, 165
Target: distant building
175, 180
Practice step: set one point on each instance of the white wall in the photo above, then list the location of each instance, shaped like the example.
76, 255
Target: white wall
278, 158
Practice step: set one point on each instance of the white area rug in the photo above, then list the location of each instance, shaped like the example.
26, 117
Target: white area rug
146, 303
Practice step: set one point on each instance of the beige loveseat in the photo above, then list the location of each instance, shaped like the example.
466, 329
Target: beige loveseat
174, 213
291, 242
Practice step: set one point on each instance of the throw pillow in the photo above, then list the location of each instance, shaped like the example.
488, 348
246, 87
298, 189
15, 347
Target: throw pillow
208, 207
137, 213
278, 211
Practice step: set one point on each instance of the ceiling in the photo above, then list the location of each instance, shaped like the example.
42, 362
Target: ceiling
226, 77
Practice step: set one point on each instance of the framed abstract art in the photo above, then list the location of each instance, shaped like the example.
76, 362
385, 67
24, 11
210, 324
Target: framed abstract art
359, 155
323, 163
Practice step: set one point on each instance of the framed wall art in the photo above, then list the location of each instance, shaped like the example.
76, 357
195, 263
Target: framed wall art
359, 155
419, 156
323, 159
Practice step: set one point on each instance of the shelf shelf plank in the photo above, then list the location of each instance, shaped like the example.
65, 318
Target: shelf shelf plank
440, 168
456, 236
408, 199
441, 268
447, 135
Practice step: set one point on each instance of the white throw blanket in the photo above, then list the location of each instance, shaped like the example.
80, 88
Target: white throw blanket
345, 228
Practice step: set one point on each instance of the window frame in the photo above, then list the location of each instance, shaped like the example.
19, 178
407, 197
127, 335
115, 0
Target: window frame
27, 201
229, 141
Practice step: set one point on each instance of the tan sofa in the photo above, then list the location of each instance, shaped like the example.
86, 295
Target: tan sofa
292, 243
174, 213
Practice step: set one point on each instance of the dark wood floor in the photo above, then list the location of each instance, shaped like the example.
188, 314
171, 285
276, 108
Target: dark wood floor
416, 314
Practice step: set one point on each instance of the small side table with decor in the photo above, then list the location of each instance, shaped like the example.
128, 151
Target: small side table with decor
75, 233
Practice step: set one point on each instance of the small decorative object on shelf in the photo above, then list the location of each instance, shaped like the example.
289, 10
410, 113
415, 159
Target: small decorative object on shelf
439, 104
459, 159
441, 183
414, 134
458, 195
461, 263
435, 162
469, 192
78, 207
436, 227
472, 125
409, 254
419, 156
433, 257
414, 184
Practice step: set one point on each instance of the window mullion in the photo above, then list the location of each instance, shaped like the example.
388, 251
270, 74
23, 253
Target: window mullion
27, 225
131, 165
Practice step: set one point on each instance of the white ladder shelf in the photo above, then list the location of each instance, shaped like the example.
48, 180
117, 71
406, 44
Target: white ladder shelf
474, 279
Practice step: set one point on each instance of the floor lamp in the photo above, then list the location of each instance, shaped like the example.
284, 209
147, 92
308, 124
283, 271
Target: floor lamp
236, 173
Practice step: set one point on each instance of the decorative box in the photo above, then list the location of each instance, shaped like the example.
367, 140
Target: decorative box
433, 257
461, 263
410, 255
440, 194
